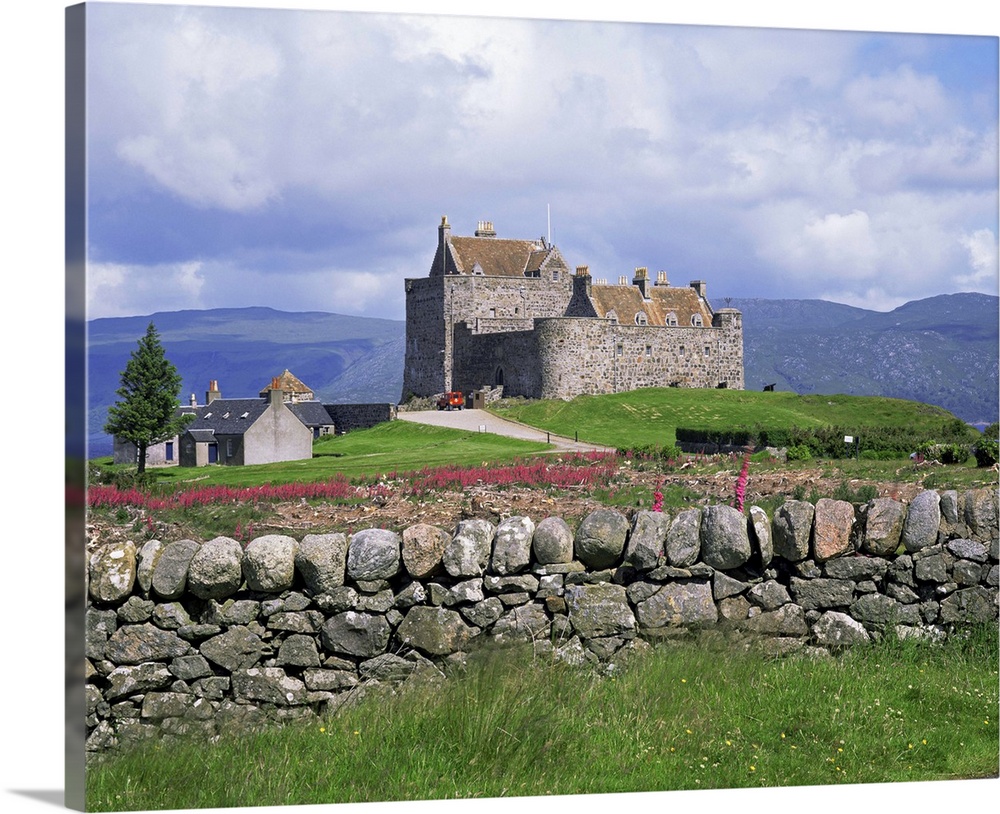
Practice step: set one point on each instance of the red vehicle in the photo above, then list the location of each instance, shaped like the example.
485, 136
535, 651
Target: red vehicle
453, 400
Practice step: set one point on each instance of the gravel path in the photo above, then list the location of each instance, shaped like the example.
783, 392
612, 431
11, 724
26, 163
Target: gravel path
482, 421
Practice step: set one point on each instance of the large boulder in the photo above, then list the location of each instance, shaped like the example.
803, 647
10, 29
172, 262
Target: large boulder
683, 545
760, 528
171, 569
553, 541
920, 529
832, 526
792, 530
269, 563
434, 631
725, 543
373, 554
679, 604
981, 514
599, 610
355, 634
512, 547
468, 552
216, 569
647, 542
113, 571
423, 547
600, 540
321, 560
883, 526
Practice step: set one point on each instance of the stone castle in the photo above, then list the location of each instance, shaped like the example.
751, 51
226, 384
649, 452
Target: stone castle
501, 313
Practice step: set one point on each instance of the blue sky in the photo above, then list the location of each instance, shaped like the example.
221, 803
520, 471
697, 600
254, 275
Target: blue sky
303, 159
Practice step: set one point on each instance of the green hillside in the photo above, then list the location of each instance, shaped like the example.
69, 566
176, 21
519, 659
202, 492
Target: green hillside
651, 416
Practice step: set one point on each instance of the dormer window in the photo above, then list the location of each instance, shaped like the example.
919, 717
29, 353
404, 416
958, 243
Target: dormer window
477, 268
640, 318
696, 320
612, 317
671, 319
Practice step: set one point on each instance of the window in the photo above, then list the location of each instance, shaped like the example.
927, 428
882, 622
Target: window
680, 350
619, 350
696, 320
708, 351
640, 318
612, 317
229, 447
169, 454
493, 313
555, 276
649, 350
671, 319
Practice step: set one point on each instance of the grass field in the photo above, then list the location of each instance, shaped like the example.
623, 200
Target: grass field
651, 416
693, 715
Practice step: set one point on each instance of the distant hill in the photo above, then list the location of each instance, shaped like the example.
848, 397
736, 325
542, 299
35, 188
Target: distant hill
942, 351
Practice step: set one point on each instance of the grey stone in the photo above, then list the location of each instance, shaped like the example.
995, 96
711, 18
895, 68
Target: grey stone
135, 609
724, 586
512, 547
884, 519
981, 514
968, 550
483, 614
647, 542
356, 634
792, 530
769, 595
935, 568
760, 528
113, 571
434, 631
216, 570
99, 625
818, 594
687, 604
468, 552
139, 678
725, 543
856, 568
920, 529
189, 668
387, 667
683, 544
970, 605
599, 610
135, 644
879, 610
523, 623
146, 558
237, 648
552, 541
171, 616
788, 620
171, 569
321, 560
374, 554
600, 540
324, 680
298, 650
835, 629
268, 684
269, 563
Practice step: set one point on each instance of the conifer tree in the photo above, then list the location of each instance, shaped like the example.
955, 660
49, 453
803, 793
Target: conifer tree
146, 413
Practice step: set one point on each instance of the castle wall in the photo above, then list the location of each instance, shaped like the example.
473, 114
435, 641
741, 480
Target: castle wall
594, 356
494, 359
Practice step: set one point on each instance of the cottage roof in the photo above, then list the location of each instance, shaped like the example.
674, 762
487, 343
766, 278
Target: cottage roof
311, 413
228, 416
500, 257
627, 302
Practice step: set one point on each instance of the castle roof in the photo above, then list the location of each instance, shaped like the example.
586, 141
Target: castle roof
627, 302
500, 257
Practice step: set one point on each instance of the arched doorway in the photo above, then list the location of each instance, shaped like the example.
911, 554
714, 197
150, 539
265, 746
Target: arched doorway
498, 378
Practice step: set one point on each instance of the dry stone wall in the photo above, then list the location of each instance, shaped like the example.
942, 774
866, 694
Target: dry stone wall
206, 637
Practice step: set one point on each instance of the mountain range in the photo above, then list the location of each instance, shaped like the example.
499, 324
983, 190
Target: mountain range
942, 350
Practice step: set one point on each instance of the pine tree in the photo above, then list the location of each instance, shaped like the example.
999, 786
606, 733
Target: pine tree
146, 413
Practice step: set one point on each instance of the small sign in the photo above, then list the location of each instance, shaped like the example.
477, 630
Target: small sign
482, 428
848, 439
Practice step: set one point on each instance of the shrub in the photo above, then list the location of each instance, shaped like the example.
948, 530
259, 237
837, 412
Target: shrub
800, 452
987, 450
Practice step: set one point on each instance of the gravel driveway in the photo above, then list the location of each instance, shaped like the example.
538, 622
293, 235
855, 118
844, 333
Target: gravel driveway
482, 421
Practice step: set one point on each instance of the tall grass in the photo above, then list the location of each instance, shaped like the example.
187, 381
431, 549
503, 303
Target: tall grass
695, 714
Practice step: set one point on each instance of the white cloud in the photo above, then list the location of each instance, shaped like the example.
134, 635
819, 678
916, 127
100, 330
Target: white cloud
982, 250
116, 289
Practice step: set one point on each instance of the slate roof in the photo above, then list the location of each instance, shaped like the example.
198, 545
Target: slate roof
311, 413
227, 416
627, 301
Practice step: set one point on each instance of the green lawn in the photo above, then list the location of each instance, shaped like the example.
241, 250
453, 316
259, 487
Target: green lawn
643, 417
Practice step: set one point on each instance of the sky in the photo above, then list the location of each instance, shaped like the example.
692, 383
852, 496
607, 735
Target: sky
302, 160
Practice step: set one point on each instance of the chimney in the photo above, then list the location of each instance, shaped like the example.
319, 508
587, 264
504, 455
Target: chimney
661, 278
622, 279
194, 401
485, 229
275, 394
641, 280
213, 392
581, 281
699, 287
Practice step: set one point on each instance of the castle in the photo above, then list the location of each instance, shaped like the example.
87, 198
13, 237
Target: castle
496, 312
